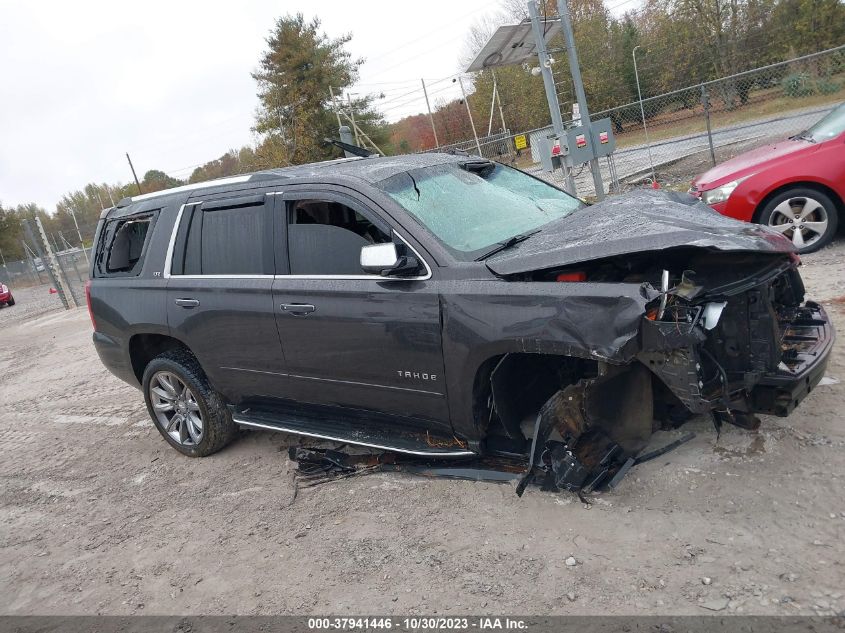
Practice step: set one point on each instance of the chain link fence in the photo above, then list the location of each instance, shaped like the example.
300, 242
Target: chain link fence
702, 121
70, 273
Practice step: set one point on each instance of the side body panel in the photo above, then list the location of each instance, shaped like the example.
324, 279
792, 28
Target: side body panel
228, 320
126, 306
369, 342
485, 319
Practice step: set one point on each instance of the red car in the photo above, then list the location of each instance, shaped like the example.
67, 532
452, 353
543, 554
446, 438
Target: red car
6, 295
796, 187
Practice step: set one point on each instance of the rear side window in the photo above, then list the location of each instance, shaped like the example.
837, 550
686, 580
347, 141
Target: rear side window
123, 246
227, 238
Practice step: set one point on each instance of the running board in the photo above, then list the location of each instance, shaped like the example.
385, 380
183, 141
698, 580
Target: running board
356, 431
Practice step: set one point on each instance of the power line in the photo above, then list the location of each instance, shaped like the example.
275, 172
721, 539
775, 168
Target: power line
452, 22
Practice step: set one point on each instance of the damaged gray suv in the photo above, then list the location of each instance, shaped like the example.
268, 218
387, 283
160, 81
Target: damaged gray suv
448, 308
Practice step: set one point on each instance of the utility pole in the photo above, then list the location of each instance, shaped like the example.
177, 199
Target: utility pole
469, 112
575, 69
498, 100
492, 109
364, 135
133, 173
549, 85
430, 116
352, 117
334, 107
642, 112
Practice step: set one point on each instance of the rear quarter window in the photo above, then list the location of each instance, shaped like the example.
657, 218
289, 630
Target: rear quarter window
123, 246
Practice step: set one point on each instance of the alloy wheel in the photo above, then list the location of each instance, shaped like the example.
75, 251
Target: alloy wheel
803, 220
176, 408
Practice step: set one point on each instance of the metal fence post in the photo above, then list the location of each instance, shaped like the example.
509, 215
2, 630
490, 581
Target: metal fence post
47, 266
705, 101
56, 260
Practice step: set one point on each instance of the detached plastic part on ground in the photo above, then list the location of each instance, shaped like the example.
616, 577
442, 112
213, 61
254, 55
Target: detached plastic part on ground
557, 468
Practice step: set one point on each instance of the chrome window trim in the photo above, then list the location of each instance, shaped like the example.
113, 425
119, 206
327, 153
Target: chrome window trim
171, 244
223, 276
168, 260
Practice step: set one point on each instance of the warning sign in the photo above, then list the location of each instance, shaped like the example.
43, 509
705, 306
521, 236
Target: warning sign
604, 137
520, 141
580, 140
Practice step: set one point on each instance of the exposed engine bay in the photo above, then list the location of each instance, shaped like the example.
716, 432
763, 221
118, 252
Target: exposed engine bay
724, 334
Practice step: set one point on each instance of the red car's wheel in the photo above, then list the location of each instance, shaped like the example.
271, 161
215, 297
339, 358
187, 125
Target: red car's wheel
806, 216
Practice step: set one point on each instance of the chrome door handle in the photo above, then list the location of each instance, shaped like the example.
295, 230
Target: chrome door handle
187, 303
297, 309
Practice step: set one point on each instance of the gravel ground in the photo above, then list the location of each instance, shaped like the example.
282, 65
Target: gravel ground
98, 515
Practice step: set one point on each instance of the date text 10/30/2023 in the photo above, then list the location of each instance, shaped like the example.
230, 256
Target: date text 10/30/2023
420, 623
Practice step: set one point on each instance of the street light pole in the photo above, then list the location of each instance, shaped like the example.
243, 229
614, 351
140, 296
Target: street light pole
642, 112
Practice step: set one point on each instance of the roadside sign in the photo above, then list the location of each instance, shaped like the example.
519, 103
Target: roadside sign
520, 141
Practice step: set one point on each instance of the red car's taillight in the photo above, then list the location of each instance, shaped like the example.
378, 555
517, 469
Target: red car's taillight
88, 302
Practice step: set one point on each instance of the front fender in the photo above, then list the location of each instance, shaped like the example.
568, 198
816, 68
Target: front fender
598, 321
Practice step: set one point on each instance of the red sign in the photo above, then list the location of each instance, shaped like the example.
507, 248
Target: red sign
556, 148
580, 141
604, 137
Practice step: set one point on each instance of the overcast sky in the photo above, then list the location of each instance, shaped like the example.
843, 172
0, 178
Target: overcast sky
84, 82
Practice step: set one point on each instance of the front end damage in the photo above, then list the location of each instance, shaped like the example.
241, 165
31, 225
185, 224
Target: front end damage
726, 334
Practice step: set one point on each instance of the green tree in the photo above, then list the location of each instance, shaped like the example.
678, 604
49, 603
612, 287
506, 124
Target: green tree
295, 76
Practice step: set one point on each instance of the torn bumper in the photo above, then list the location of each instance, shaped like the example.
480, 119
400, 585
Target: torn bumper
806, 341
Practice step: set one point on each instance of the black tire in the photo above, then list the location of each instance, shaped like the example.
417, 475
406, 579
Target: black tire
11, 301
770, 216
218, 429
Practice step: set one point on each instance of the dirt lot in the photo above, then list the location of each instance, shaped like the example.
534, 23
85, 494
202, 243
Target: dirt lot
98, 515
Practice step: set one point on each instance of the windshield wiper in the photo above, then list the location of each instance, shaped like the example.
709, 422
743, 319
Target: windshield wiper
511, 241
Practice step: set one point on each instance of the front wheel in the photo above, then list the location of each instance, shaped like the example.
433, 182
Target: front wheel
11, 301
188, 413
806, 216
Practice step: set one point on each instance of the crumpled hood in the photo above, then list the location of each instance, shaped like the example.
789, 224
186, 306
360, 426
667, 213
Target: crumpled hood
637, 222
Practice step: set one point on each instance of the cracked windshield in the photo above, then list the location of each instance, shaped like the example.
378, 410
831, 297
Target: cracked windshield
472, 206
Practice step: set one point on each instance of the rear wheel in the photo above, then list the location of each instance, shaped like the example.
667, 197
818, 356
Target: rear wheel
11, 301
188, 413
805, 216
